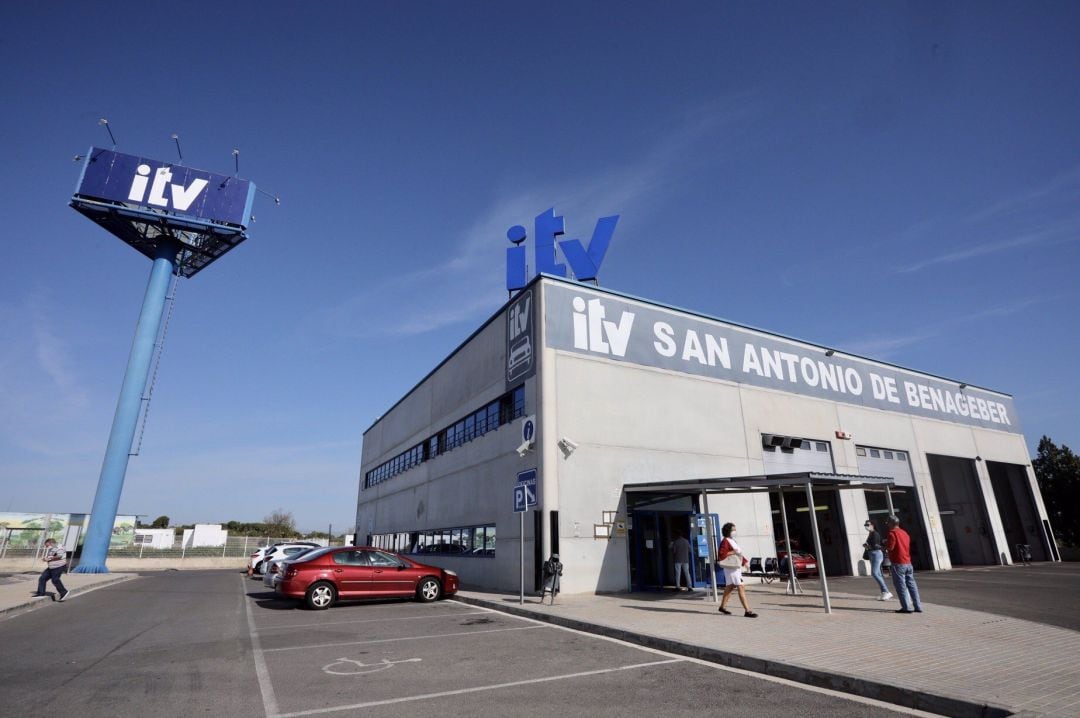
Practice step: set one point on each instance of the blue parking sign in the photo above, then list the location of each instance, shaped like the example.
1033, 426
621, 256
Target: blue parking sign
524, 497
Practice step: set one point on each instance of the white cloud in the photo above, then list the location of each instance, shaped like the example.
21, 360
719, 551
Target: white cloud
1052, 233
471, 285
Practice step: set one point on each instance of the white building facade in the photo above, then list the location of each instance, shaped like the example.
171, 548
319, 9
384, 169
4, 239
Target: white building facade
621, 391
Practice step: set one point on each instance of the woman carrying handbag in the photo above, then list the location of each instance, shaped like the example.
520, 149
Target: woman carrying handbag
732, 561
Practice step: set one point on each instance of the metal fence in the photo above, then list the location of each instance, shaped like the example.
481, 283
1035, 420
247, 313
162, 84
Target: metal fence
14, 544
240, 547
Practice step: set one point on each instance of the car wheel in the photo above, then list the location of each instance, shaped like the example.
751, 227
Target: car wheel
428, 590
320, 596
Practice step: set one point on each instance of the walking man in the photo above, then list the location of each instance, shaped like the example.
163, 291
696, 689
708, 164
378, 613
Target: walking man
680, 549
55, 559
898, 545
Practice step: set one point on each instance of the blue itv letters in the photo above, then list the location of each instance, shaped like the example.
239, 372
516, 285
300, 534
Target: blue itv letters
584, 263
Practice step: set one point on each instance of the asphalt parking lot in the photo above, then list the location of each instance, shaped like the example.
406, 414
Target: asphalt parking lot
217, 643
410, 659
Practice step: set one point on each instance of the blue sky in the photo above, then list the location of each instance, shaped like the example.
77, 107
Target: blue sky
898, 180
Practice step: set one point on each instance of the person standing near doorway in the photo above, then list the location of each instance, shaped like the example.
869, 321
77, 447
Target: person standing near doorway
898, 544
680, 551
55, 559
874, 551
733, 576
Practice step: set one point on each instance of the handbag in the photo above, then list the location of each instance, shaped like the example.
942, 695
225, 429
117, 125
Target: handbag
732, 560
866, 554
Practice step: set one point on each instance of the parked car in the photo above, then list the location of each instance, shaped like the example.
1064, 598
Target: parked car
323, 577
275, 569
805, 563
256, 558
279, 551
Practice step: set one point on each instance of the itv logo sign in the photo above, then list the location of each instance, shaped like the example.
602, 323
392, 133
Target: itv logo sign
548, 226
144, 183
182, 196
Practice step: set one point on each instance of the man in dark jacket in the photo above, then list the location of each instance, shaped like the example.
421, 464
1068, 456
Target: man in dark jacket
898, 546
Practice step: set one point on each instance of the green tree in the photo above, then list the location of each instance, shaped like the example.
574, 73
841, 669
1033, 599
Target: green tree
161, 522
1057, 469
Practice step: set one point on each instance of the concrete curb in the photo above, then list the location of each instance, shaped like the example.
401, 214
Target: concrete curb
933, 703
32, 604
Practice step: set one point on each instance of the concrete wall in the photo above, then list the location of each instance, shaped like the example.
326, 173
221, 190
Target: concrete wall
470, 485
636, 424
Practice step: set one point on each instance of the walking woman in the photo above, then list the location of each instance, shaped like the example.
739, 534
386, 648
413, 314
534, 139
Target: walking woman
732, 576
876, 556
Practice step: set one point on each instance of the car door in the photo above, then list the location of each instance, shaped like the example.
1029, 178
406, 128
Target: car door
390, 576
352, 573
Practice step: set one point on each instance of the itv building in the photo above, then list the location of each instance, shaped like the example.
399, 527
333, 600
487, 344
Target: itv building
642, 420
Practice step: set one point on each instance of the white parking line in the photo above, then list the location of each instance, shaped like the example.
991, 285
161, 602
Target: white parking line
729, 669
453, 614
404, 638
462, 691
265, 686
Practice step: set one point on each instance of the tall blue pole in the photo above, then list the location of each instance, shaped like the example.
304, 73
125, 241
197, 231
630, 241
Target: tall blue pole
114, 468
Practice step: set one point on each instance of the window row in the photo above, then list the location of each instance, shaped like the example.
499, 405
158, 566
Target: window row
503, 410
475, 541
881, 453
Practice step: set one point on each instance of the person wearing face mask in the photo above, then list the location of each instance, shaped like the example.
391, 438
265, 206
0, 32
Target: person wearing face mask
876, 555
733, 576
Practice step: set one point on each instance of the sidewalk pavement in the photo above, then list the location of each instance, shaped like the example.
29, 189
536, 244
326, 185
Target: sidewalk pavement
950, 661
16, 589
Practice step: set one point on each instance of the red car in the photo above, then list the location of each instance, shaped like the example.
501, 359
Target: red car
805, 563
324, 576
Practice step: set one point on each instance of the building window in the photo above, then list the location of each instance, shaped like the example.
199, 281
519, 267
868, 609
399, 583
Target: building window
503, 410
461, 541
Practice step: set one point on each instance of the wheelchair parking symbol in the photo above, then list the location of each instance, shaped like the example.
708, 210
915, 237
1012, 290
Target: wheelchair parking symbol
349, 667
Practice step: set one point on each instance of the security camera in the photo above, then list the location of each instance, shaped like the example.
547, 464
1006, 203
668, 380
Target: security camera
567, 446
524, 447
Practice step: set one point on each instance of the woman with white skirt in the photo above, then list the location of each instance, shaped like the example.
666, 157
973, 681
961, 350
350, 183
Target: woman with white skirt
733, 576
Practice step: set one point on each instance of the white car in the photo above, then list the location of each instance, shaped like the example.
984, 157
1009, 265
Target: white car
275, 568
255, 561
282, 551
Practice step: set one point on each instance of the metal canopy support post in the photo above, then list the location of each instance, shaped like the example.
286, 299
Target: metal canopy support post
793, 582
888, 500
711, 539
117, 452
817, 547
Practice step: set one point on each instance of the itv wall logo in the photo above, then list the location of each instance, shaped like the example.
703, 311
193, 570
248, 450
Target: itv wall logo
520, 339
584, 262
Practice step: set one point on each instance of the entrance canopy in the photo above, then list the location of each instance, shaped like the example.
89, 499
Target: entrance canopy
762, 482
807, 481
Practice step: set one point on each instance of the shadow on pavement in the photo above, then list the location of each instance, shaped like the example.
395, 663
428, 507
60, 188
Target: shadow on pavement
662, 610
